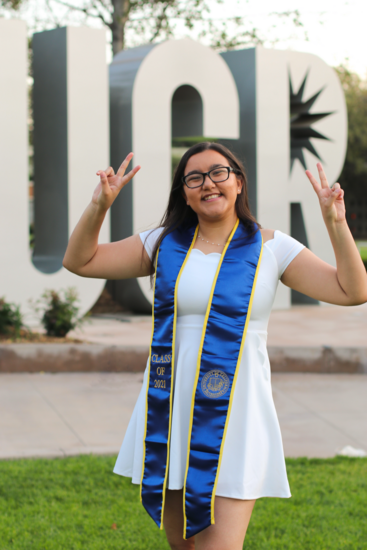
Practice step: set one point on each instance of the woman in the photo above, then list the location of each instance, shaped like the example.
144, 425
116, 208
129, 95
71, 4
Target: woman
209, 191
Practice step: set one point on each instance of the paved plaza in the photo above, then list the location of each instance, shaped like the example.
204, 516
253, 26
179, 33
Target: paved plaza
332, 326
50, 415
55, 415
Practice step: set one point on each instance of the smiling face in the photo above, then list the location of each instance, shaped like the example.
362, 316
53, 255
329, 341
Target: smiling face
212, 201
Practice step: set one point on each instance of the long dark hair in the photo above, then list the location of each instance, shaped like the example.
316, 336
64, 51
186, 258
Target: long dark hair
178, 213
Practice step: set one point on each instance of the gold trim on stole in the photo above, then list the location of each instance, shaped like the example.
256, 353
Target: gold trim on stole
172, 377
198, 364
146, 393
235, 380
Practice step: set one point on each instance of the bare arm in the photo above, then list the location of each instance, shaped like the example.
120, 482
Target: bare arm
347, 283
119, 260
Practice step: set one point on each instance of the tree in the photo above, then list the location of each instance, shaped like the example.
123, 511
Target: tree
11, 4
353, 178
149, 20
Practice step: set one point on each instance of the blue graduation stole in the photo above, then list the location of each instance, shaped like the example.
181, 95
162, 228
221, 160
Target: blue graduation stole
219, 357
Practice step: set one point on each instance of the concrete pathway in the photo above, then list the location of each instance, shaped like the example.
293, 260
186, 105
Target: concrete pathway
333, 326
51, 415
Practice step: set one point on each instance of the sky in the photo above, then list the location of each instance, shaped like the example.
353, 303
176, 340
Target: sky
335, 29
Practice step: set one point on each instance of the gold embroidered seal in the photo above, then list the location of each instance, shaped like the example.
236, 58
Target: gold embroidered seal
214, 384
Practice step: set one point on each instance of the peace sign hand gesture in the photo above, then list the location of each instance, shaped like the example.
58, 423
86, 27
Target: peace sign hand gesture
110, 184
331, 199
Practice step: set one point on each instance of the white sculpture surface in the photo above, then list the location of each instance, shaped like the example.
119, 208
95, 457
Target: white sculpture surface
279, 184
167, 67
88, 142
281, 111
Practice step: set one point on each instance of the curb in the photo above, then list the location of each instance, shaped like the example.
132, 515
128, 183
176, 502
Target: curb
72, 358
106, 358
321, 359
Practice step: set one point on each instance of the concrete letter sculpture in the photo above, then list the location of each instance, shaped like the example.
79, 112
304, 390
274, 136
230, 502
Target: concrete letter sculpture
71, 143
292, 114
142, 84
279, 111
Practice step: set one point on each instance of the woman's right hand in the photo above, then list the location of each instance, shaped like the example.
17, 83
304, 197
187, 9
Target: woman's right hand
110, 184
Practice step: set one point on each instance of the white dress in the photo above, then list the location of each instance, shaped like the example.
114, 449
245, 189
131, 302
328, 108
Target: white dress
253, 463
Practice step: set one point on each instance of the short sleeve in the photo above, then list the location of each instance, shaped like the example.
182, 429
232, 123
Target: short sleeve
285, 249
149, 239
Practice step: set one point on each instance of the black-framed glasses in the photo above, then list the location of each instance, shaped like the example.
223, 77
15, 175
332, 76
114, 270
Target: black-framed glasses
217, 175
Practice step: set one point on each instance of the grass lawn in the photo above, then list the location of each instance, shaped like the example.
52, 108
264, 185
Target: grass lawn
77, 503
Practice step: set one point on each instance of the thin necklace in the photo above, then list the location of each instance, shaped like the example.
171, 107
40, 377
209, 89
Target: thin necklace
217, 244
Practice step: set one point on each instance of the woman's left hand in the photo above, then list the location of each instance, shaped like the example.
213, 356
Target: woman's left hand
331, 200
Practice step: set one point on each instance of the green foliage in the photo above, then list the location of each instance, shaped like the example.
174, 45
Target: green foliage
190, 141
11, 320
136, 22
180, 146
363, 252
12, 4
353, 178
60, 313
354, 173
78, 502
31, 236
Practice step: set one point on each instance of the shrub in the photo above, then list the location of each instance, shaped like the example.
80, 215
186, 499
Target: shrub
11, 320
60, 312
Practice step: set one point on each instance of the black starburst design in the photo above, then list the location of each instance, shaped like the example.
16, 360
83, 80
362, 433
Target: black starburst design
301, 123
